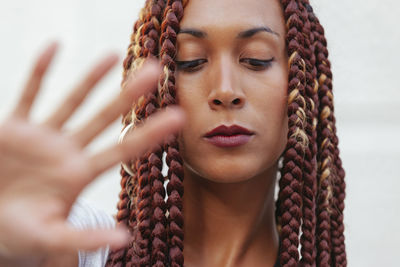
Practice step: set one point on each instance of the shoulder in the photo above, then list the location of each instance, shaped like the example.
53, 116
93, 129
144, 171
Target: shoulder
85, 216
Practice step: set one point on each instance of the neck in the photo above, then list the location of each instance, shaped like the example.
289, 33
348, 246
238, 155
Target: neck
230, 224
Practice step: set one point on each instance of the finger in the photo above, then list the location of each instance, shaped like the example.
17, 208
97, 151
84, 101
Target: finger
33, 84
144, 81
145, 137
73, 101
64, 239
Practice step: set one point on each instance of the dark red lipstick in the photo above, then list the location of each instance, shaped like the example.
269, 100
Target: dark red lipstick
232, 136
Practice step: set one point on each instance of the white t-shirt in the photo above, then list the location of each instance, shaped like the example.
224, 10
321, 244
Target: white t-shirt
85, 216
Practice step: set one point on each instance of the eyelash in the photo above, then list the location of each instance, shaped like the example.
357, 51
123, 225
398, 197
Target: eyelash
190, 66
256, 64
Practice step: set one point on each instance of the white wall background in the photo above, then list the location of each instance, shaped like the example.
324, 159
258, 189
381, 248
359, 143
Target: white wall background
363, 43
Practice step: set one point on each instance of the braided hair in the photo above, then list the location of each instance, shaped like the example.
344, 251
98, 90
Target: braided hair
309, 208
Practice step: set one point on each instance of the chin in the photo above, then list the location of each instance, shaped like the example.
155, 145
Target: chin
224, 171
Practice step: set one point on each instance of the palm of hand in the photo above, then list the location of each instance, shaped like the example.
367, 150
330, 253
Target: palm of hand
43, 170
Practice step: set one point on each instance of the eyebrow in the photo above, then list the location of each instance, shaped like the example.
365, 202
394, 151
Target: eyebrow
242, 35
253, 31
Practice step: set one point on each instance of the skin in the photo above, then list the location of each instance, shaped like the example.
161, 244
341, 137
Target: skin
38, 186
228, 200
228, 209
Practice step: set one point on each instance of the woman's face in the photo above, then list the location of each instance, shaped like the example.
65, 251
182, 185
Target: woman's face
232, 70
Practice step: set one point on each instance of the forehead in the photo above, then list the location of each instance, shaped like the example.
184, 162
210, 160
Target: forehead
236, 15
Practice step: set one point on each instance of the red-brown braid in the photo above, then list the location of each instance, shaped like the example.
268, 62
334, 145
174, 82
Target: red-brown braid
127, 204
144, 44
151, 243
170, 27
117, 258
157, 221
159, 230
292, 171
338, 191
329, 174
326, 171
307, 240
338, 245
339, 248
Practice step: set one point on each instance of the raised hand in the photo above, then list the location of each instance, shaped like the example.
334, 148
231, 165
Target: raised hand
43, 169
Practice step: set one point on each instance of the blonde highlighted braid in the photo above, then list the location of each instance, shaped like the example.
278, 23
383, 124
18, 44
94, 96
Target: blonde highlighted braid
308, 227
143, 189
290, 193
127, 197
312, 187
332, 173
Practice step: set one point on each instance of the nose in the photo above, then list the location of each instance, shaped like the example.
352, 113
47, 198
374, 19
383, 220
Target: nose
225, 89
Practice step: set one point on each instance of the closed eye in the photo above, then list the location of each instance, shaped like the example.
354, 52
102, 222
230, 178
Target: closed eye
190, 66
257, 64
253, 63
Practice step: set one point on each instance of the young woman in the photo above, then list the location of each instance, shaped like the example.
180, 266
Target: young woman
254, 80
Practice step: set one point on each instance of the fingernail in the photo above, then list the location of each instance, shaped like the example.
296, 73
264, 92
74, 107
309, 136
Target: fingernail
53, 46
49, 51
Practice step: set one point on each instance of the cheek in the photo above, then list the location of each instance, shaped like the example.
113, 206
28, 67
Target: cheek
270, 104
190, 92
194, 103
283, 110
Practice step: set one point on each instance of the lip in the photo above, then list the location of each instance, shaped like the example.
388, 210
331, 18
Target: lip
229, 136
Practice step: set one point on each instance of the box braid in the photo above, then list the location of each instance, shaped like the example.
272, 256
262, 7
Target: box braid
307, 240
329, 143
170, 27
330, 172
127, 197
148, 229
151, 236
292, 173
312, 178
325, 170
